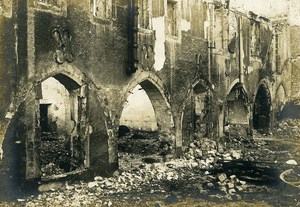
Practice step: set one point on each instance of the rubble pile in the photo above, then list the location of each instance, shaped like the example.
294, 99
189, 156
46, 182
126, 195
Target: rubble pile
203, 154
51, 169
287, 128
223, 169
208, 152
54, 157
145, 143
231, 185
145, 176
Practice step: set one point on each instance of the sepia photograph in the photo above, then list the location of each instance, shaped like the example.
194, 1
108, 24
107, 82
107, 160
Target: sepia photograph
149, 103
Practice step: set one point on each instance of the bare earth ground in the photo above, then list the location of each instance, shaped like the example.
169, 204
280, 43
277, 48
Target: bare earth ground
236, 173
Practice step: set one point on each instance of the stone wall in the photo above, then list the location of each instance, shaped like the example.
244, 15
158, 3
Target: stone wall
173, 49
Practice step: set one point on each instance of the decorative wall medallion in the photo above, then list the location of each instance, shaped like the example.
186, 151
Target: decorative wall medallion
147, 56
63, 48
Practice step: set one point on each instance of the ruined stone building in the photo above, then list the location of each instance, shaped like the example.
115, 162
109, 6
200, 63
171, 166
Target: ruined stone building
68, 66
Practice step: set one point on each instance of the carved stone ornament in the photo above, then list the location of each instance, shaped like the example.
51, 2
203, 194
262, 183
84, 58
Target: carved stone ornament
63, 50
147, 57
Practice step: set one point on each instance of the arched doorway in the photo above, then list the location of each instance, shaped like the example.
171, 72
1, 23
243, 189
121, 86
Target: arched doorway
60, 113
42, 133
236, 117
138, 112
146, 102
147, 119
262, 110
195, 114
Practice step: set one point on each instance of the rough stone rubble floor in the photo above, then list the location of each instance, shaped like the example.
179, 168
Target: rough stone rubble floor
203, 177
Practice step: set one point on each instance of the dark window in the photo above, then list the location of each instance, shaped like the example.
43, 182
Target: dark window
101, 9
172, 18
44, 117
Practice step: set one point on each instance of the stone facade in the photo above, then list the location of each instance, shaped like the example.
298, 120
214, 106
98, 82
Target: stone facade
207, 70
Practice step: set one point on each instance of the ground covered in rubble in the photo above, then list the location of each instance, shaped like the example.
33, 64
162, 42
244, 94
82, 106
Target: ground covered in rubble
235, 171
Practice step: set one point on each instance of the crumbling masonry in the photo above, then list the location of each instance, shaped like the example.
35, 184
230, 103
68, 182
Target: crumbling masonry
67, 68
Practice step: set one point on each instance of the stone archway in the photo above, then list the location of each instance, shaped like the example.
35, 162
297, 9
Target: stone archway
236, 111
194, 119
262, 110
138, 112
161, 107
147, 114
22, 139
154, 89
62, 111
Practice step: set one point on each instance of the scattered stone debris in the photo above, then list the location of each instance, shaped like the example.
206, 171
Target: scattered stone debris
230, 185
207, 169
289, 128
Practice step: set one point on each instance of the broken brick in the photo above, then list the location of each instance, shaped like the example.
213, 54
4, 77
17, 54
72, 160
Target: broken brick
222, 177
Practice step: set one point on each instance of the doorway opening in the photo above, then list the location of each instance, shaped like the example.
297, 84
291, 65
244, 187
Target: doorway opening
145, 125
195, 115
236, 111
262, 110
61, 147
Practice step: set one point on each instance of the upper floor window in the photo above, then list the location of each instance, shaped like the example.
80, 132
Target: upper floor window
172, 17
255, 44
57, 3
277, 52
58, 6
144, 12
101, 9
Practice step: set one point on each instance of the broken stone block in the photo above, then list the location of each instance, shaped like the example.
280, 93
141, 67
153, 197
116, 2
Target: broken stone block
108, 183
198, 153
221, 184
176, 177
230, 185
236, 154
229, 197
69, 187
227, 156
232, 191
233, 178
209, 160
92, 184
291, 162
223, 189
192, 145
50, 186
210, 185
98, 178
239, 188
222, 177
242, 182
251, 159
116, 173
170, 175
194, 164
